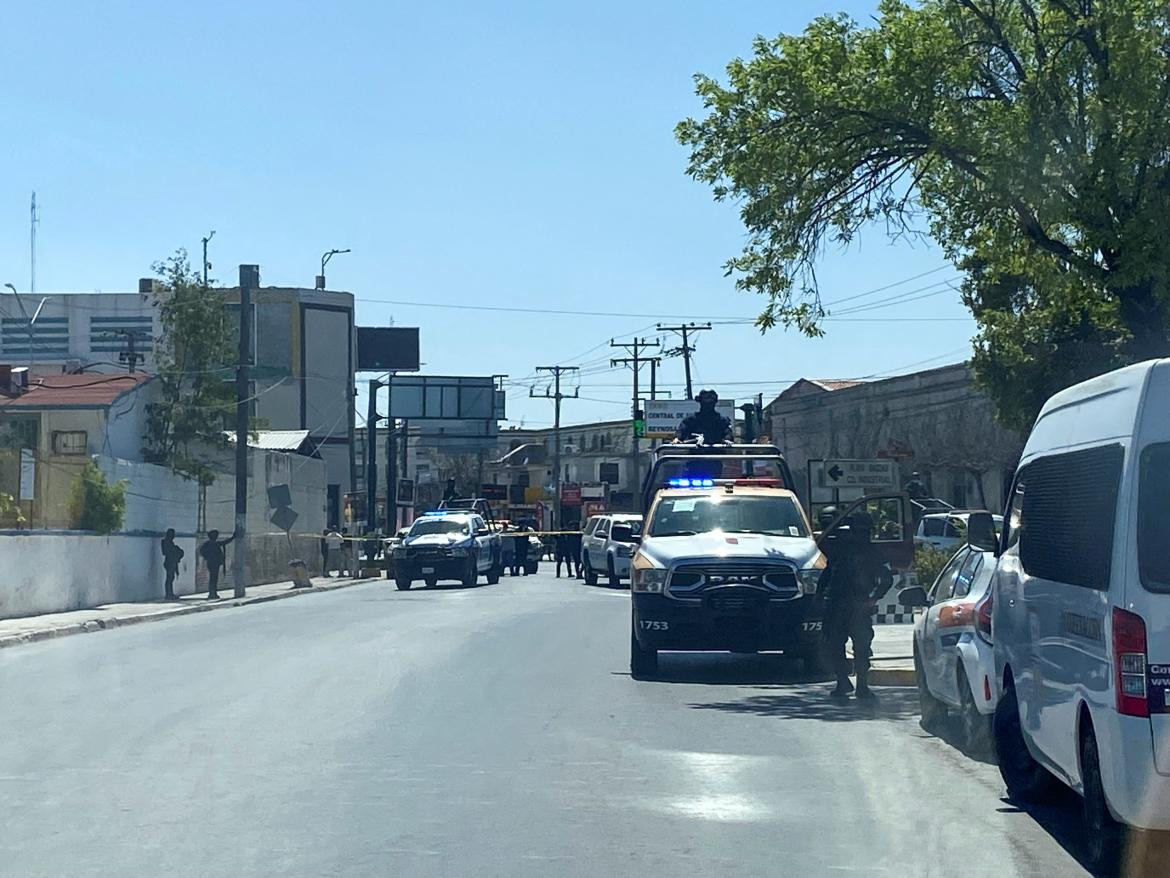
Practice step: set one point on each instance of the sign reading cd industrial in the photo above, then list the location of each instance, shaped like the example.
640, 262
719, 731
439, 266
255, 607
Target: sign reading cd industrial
663, 416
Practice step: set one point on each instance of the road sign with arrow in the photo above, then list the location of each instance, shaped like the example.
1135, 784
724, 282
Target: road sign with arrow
867, 474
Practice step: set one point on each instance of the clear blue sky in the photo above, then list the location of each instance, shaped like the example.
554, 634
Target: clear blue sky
513, 154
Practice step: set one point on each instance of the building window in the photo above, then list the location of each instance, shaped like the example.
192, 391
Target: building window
70, 441
608, 473
604, 441
594, 442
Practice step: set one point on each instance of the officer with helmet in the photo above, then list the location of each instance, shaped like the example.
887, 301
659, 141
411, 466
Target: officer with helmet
706, 422
854, 579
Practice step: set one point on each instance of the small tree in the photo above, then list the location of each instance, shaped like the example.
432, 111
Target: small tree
95, 504
928, 564
194, 358
10, 509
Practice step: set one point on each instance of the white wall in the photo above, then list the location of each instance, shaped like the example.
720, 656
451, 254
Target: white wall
51, 572
156, 498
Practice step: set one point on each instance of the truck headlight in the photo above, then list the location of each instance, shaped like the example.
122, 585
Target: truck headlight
648, 579
809, 579
624, 551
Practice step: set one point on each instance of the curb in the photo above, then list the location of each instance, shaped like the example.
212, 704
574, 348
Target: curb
892, 677
121, 621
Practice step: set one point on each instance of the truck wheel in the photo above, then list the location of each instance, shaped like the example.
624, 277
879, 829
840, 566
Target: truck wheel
403, 583
471, 574
643, 662
493, 575
590, 573
1025, 778
615, 581
1104, 836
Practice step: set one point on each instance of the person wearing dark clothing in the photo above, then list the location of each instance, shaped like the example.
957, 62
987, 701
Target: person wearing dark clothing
172, 555
564, 544
520, 556
215, 558
915, 489
706, 422
451, 493
575, 553
854, 579
324, 552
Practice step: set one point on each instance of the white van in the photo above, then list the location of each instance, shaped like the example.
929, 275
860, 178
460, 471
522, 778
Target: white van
1081, 618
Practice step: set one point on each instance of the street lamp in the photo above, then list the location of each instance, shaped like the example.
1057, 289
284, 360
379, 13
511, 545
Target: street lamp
32, 357
325, 257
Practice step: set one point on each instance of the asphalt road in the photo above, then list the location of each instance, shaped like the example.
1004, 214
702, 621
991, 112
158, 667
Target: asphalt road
491, 731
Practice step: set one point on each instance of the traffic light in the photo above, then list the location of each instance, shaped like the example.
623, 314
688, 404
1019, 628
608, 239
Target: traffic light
639, 424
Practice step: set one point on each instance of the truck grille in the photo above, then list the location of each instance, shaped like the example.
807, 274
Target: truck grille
695, 578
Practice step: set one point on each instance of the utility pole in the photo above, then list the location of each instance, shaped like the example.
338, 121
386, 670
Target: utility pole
684, 329
131, 355
206, 264
249, 279
635, 360
32, 245
556, 397
391, 461
372, 419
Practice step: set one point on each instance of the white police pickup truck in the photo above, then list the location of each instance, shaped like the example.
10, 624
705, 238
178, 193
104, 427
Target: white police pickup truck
727, 560
448, 544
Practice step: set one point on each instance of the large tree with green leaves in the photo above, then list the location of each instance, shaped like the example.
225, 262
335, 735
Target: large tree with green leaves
1028, 138
194, 359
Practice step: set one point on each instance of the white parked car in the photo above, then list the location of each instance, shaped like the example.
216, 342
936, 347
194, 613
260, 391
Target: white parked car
603, 550
947, 530
953, 660
1081, 619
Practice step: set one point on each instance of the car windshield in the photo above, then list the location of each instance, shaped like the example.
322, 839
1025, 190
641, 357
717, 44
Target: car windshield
425, 526
680, 516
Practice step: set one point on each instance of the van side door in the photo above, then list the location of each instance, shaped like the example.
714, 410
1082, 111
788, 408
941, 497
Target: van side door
1066, 554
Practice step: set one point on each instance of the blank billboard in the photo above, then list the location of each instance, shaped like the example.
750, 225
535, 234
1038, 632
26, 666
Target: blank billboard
387, 348
443, 397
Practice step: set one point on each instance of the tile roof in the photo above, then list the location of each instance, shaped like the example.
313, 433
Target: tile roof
75, 391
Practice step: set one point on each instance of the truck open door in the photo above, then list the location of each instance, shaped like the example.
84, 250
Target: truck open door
891, 528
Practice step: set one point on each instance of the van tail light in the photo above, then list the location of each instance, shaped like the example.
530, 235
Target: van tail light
1129, 663
983, 616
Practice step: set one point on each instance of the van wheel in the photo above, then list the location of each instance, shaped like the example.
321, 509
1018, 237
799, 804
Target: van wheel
1104, 836
934, 712
977, 736
615, 581
643, 662
590, 573
402, 583
1025, 778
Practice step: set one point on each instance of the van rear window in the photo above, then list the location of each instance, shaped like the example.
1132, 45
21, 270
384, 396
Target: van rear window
1069, 510
1153, 524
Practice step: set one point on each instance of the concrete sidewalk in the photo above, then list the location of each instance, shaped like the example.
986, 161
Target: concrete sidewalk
29, 629
892, 663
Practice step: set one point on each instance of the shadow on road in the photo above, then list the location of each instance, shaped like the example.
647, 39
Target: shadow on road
950, 731
722, 669
812, 701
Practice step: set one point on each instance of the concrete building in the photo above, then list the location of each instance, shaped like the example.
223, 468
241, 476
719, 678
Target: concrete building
934, 422
305, 355
49, 432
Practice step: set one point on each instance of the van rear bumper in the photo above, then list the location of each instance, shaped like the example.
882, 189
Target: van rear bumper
1137, 794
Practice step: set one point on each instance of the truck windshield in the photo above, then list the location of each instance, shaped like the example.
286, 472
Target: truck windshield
438, 526
680, 516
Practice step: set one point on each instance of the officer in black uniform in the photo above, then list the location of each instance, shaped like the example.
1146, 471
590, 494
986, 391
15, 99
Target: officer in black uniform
706, 422
855, 577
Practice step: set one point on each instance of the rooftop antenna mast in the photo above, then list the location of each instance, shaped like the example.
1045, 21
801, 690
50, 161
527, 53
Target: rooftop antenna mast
32, 245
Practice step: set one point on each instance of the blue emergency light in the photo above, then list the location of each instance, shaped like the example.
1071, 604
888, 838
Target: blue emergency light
690, 483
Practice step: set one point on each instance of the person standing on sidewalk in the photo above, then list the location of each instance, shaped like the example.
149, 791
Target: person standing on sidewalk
215, 558
172, 555
334, 541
